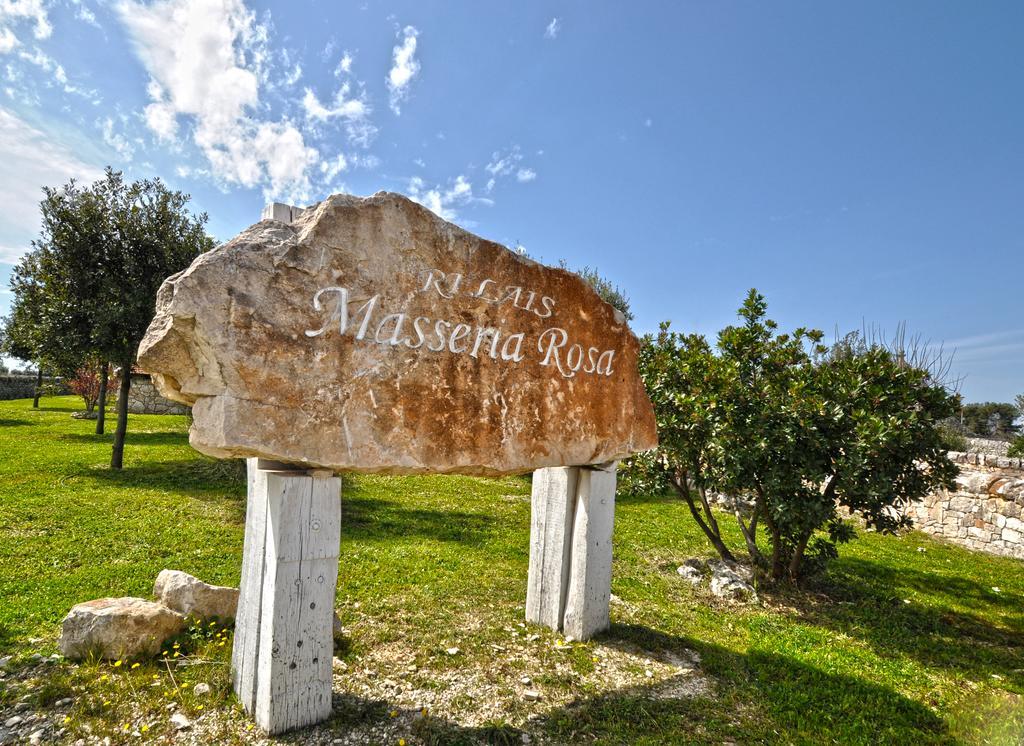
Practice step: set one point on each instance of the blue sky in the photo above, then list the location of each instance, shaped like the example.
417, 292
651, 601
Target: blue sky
859, 163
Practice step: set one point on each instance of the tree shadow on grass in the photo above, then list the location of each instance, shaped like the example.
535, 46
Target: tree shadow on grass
7, 639
373, 519
13, 423
866, 600
756, 697
156, 438
221, 481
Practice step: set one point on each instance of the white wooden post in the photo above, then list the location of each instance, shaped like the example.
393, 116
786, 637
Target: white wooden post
552, 508
573, 512
588, 595
284, 645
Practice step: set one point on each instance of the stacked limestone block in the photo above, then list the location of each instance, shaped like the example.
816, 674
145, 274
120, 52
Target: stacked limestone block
985, 511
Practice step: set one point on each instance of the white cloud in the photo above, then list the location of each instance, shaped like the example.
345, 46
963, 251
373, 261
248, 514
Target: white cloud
46, 63
342, 106
11, 254
32, 159
345, 66
8, 40
293, 77
404, 69
162, 119
551, 32
506, 164
206, 58
331, 168
443, 201
13, 12
116, 140
85, 14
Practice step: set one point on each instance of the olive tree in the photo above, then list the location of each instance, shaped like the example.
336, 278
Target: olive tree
802, 431
88, 288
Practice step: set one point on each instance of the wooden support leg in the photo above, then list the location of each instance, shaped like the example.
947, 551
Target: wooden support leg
588, 595
281, 661
552, 506
569, 587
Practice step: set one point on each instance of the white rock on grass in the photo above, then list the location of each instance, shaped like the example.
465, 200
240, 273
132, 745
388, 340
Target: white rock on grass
731, 581
692, 571
180, 722
117, 628
201, 689
190, 596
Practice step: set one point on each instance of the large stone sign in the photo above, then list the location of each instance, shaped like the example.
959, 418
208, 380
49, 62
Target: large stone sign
371, 335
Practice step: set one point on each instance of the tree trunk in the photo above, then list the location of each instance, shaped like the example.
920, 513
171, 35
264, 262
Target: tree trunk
750, 535
101, 415
796, 561
39, 387
716, 540
117, 457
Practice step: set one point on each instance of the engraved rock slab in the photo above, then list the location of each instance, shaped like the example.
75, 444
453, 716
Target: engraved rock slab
370, 335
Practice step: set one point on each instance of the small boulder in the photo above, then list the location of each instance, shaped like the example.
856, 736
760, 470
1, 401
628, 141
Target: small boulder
201, 689
731, 581
117, 628
690, 574
190, 596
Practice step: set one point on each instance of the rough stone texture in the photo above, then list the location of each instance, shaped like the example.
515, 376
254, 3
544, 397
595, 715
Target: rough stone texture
450, 353
988, 446
143, 398
190, 596
729, 580
984, 512
117, 629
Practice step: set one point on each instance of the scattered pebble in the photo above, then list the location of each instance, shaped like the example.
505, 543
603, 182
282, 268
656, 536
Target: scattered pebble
531, 695
180, 722
452, 651
201, 689
13, 721
526, 681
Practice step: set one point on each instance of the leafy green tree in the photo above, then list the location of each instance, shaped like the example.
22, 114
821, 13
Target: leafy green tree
989, 419
88, 288
1017, 446
609, 292
801, 430
152, 236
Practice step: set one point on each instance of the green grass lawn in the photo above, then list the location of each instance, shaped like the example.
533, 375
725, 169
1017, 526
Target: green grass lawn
896, 645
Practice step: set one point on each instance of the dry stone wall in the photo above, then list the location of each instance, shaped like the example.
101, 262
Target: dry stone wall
988, 446
143, 398
985, 511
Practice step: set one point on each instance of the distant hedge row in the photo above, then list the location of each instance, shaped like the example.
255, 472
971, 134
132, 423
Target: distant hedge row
16, 386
